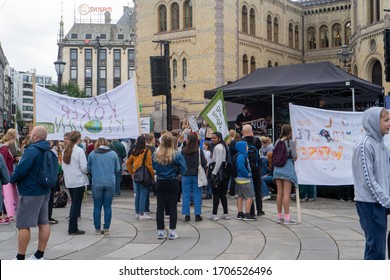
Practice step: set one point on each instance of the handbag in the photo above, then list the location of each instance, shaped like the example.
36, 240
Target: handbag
142, 175
10, 196
202, 179
60, 199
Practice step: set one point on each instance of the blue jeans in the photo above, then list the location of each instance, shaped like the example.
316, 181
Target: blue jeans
141, 193
118, 180
264, 188
190, 185
307, 191
373, 220
102, 197
75, 209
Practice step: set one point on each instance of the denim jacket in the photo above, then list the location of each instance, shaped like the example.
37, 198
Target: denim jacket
173, 170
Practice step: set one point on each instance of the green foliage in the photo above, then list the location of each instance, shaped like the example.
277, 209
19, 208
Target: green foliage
19, 118
73, 90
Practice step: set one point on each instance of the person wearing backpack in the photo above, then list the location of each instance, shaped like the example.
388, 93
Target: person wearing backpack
284, 175
33, 201
254, 146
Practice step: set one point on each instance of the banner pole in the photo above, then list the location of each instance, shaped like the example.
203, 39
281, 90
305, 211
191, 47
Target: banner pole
34, 98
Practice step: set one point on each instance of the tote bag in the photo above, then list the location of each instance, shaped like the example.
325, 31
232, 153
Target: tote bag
202, 179
142, 175
10, 196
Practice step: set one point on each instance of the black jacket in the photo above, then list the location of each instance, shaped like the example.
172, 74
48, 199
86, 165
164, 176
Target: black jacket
192, 161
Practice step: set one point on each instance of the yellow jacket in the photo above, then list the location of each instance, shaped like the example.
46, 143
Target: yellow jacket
135, 162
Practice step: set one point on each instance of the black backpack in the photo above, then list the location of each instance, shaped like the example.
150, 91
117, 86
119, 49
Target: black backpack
253, 156
48, 172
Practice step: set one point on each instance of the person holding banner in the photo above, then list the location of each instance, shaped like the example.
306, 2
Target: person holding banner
371, 171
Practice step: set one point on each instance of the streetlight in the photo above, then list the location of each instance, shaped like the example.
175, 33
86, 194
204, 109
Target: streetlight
60, 67
344, 55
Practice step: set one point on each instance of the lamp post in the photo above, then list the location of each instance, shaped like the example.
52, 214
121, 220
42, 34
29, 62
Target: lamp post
98, 47
344, 55
60, 67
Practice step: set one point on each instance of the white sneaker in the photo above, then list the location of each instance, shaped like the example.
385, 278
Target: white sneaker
145, 217
137, 217
213, 217
225, 217
266, 197
33, 258
162, 235
173, 236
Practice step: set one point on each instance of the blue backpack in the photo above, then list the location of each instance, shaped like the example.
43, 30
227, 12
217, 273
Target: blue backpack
48, 175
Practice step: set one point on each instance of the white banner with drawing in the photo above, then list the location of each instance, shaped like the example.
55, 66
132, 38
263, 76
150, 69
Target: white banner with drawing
113, 115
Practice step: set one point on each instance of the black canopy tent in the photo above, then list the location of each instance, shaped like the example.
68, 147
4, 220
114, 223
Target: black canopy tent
295, 82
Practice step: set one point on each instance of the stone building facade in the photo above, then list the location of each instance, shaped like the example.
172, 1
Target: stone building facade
215, 42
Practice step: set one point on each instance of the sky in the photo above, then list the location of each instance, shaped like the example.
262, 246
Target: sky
29, 29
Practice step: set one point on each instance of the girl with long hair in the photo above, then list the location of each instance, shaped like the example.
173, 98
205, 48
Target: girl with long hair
192, 154
168, 164
141, 192
74, 165
219, 182
285, 177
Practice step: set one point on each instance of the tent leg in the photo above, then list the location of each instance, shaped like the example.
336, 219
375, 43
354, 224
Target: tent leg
353, 99
273, 119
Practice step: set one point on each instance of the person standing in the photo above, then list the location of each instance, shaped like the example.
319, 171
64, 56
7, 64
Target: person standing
168, 164
74, 165
4, 179
244, 117
103, 164
135, 161
33, 201
370, 170
192, 154
285, 177
120, 150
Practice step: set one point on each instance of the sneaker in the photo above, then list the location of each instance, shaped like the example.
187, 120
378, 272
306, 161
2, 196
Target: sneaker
311, 199
33, 258
53, 221
137, 217
213, 217
225, 217
5, 221
249, 217
187, 218
198, 218
98, 231
173, 236
266, 197
145, 217
290, 222
79, 232
279, 220
260, 213
162, 235
106, 231
240, 216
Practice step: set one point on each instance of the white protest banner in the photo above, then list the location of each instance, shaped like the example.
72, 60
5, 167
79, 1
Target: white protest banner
193, 124
113, 115
215, 114
145, 125
325, 141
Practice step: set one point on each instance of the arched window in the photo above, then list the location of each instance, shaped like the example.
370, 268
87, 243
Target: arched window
245, 64
336, 35
184, 69
253, 64
244, 20
269, 28
252, 22
374, 10
276, 30
377, 71
324, 38
347, 33
276, 64
174, 70
188, 14
296, 37
269, 63
162, 18
290, 35
175, 21
311, 38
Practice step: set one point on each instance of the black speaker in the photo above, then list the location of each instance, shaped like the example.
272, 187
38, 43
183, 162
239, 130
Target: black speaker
386, 46
159, 75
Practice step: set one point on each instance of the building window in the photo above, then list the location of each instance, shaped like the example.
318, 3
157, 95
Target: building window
244, 20
73, 74
374, 10
245, 65
28, 101
103, 89
252, 22
74, 36
311, 38
103, 36
117, 76
103, 57
73, 55
269, 28
253, 64
130, 57
184, 69
347, 33
188, 14
324, 38
174, 70
88, 73
175, 22
336, 35
88, 36
103, 72
88, 91
269, 63
117, 57
162, 18
297, 37
121, 36
276, 30
88, 57
290, 35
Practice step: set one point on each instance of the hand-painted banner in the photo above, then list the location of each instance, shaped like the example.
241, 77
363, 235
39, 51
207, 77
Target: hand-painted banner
113, 115
325, 141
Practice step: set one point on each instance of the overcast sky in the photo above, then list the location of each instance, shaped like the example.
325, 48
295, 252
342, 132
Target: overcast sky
29, 29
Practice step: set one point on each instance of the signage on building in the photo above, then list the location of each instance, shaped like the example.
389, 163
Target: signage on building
84, 9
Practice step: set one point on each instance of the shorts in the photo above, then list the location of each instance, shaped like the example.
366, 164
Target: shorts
245, 190
32, 211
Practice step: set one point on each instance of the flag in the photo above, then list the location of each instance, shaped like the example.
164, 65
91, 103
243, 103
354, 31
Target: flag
215, 115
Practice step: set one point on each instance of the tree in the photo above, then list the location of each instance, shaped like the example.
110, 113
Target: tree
19, 118
73, 90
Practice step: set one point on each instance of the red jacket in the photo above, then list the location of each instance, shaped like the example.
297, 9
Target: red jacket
9, 159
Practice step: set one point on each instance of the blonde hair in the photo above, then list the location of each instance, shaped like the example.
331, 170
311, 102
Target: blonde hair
165, 152
11, 134
232, 134
101, 141
265, 140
